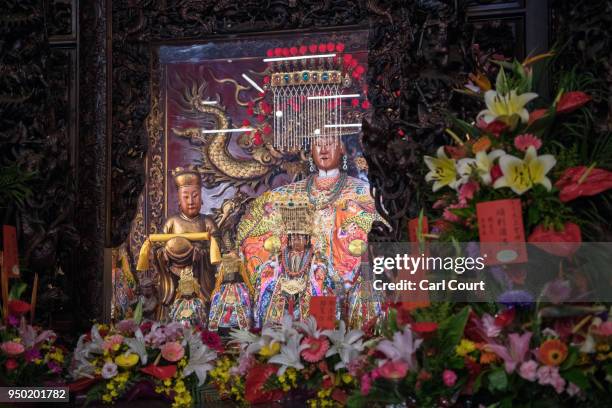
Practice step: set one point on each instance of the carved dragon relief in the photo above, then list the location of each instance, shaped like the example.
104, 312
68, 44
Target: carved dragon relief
218, 163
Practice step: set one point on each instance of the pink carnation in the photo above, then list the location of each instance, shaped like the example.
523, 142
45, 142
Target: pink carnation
172, 351
528, 370
525, 141
449, 377
393, 370
549, 375
12, 348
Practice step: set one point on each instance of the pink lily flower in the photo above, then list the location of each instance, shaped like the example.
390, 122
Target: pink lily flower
515, 353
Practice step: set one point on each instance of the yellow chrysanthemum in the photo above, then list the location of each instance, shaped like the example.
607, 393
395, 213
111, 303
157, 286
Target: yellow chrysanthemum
465, 347
127, 360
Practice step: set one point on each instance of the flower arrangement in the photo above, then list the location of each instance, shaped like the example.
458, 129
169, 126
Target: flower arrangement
28, 354
292, 360
513, 151
506, 359
129, 359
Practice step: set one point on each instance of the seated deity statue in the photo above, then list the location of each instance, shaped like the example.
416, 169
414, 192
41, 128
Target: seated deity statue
288, 280
186, 274
231, 298
343, 213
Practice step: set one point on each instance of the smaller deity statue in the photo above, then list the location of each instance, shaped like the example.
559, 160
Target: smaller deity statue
231, 302
362, 302
290, 278
147, 295
184, 266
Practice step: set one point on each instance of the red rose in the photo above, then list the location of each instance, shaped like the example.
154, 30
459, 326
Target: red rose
212, 340
537, 115
11, 364
160, 372
340, 47
327, 382
576, 182
570, 101
293, 51
18, 307
254, 385
303, 49
312, 48
560, 243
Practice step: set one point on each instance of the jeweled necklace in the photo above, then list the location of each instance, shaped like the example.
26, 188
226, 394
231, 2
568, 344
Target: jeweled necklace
304, 264
335, 192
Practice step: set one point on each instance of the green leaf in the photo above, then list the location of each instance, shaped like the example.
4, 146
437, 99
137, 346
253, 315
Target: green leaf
576, 376
138, 312
498, 380
570, 360
452, 329
17, 290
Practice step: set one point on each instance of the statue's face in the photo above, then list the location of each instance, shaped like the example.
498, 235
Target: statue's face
327, 153
298, 242
190, 200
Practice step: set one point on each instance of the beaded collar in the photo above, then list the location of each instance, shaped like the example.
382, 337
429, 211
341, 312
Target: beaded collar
323, 198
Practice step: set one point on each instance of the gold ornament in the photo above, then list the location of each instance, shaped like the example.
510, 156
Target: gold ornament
357, 247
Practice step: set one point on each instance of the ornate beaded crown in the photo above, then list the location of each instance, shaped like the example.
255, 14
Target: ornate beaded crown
187, 176
305, 94
297, 216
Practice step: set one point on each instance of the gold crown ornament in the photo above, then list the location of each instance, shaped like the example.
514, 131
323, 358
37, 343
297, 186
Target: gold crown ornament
187, 176
297, 216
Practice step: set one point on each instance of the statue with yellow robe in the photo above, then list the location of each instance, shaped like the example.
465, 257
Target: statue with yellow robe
186, 274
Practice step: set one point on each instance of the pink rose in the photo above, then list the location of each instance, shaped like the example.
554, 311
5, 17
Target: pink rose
172, 351
11, 364
393, 370
449, 377
12, 348
528, 370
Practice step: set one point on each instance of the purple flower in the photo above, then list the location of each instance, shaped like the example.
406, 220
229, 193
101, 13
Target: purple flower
500, 277
32, 354
54, 367
13, 320
473, 250
516, 352
558, 290
109, 370
516, 298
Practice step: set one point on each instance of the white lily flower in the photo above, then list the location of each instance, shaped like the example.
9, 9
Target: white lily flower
504, 106
138, 346
521, 175
347, 345
289, 355
442, 171
402, 347
482, 164
200, 357
309, 326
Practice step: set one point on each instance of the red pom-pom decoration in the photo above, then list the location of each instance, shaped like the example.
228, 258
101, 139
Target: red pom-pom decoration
353, 63
250, 111
270, 53
267, 129
303, 49
285, 52
330, 47
365, 104
355, 102
246, 122
278, 52
340, 47
322, 47
312, 48
261, 118
360, 69
266, 80
257, 139
293, 51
